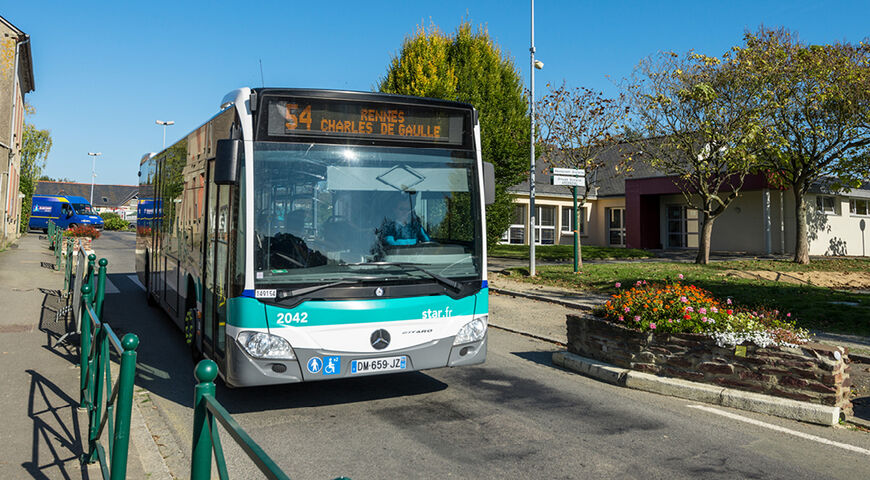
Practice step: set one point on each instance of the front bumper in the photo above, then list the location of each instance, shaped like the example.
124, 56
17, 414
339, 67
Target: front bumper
244, 370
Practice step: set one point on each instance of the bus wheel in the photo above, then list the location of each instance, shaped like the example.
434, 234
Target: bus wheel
192, 333
45, 231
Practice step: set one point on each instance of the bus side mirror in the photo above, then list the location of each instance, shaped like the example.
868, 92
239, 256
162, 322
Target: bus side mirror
488, 183
226, 163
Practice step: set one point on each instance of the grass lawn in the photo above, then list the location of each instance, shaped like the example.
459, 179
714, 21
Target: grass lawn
813, 307
566, 252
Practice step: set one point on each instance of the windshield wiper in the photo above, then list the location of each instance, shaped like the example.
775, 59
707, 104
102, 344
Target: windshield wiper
456, 286
282, 294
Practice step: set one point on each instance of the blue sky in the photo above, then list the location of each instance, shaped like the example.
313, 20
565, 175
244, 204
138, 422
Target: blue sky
105, 71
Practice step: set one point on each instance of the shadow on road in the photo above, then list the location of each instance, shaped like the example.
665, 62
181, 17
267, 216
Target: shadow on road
55, 429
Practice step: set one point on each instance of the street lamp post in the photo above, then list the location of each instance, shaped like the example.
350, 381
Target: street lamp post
535, 64
93, 172
161, 122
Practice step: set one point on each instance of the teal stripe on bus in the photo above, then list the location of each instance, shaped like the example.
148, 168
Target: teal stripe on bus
247, 312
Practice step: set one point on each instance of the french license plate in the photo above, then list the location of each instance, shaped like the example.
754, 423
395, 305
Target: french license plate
378, 364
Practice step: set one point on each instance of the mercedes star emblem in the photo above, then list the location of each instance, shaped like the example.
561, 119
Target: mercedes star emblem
380, 339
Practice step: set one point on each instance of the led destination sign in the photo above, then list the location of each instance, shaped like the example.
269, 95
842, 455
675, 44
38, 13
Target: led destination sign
376, 121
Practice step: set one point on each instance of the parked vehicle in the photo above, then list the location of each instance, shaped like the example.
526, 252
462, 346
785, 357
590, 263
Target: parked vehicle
66, 211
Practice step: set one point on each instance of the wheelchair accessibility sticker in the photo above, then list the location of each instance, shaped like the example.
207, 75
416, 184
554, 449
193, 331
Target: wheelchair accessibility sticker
331, 365
315, 364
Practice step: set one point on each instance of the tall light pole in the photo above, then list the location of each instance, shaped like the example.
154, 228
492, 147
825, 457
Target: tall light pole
532, 66
161, 122
93, 173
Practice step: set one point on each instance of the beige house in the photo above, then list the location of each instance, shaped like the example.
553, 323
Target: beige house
16, 80
638, 207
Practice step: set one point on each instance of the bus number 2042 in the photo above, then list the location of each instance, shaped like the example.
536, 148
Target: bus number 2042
291, 318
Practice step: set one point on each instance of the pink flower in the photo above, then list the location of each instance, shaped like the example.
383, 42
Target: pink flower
644, 282
670, 320
684, 299
621, 318
618, 284
637, 318
626, 309
638, 283
728, 301
680, 276
704, 319
690, 309
702, 311
788, 315
652, 326
714, 309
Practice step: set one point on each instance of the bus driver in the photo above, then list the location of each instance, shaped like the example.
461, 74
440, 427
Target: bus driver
405, 228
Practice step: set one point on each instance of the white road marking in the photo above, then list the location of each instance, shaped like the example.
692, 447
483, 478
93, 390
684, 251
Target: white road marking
135, 279
759, 423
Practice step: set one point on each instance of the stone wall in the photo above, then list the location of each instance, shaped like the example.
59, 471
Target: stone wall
812, 373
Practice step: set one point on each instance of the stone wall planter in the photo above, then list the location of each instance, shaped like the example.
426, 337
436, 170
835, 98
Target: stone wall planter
813, 372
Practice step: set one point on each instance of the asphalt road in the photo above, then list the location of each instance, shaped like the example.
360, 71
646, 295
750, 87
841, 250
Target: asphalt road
516, 416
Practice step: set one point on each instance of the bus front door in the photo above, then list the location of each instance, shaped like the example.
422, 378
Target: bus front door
216, 269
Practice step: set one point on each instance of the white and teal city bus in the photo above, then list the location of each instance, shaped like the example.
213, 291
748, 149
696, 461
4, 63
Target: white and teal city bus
306, 235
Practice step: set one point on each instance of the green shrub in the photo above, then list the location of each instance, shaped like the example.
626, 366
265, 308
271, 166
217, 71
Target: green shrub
115, 223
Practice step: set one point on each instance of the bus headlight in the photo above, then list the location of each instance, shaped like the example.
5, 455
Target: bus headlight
265, 345
473, 331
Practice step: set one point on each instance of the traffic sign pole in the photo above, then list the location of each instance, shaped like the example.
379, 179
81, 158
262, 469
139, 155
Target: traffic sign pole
576, 234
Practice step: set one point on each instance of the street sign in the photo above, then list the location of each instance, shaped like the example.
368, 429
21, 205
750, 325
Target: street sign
570, 181
570, 172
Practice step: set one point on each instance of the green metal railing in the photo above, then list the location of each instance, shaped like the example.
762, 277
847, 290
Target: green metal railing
96, 378
206, 440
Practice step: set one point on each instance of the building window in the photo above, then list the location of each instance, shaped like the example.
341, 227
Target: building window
859, 206
568, 220
682, 227
516, 232
615, 226
545, 225
826, 205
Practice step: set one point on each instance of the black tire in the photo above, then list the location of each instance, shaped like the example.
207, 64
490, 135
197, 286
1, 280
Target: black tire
191, 337
45, 231
72, 225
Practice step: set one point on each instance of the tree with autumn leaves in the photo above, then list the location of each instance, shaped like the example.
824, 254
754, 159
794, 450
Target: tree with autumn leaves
816, 116
774, 105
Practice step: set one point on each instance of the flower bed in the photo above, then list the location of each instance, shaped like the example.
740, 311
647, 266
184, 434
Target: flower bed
678, 308
682, 331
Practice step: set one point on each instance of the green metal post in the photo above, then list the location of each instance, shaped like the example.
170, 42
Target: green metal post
124, 407
84, 343
101, 288
67, 285
92, 273
96, 366
200, 466
58, 249
576, 235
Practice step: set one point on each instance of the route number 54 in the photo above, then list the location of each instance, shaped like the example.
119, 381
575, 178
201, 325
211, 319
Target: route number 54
295, 116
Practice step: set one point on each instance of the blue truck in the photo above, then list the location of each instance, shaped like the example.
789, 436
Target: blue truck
66, 211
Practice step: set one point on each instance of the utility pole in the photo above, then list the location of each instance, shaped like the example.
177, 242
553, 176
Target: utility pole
93, 173
532, 149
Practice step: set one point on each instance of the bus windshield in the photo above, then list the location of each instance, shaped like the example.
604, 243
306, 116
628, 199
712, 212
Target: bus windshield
83, 209
324, 213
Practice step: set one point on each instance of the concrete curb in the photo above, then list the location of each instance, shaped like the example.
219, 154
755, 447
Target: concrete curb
153, 463
542, 298
726, 397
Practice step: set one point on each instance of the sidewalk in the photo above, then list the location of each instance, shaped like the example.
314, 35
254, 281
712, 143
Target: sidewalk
42, 431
